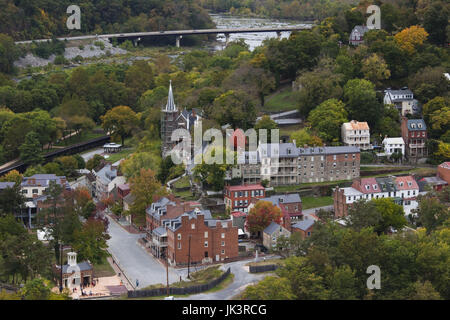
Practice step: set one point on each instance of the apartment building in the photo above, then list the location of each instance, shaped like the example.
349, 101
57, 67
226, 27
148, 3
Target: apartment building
403, 190
285, 164
237, 198
192, 238
356, 134
414, 134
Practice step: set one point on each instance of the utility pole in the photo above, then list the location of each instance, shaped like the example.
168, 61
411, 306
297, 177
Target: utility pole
189, 255
167, 272
61, 259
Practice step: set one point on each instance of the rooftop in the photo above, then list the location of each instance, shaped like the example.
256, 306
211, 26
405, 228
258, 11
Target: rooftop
416, 125
355, 125
272, 228
246, 187
304, 224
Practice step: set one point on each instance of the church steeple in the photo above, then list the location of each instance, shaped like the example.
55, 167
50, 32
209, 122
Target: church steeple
170, 106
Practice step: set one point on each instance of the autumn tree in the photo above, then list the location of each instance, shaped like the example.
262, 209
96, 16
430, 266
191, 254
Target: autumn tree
262, 214
90, 242
411, 38
12, 176
120, 121
144, 187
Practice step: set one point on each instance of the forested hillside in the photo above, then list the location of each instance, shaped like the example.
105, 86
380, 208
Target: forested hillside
24, 19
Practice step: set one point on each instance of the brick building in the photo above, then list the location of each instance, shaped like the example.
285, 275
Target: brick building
290, 165
238, 198
204, 241
403, 190
414, 133
443, 171
304, 228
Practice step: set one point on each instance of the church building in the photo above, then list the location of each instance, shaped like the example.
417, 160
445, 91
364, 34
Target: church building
172, 119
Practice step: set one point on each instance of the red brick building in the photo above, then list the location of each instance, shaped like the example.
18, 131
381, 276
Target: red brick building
443, 171
203, 240
414, 133
238, 198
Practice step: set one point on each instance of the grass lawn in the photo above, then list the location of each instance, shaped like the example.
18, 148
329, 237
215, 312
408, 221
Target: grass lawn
225, 283
104, 269
182, 183
185, 195
113, 157
315, 202
265, 262
282, 100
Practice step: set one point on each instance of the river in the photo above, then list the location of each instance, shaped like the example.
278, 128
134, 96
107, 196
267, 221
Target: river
252, 39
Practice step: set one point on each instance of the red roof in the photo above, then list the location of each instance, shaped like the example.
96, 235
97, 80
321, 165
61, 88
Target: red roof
245, 187
445, 165
408, 183
368, 185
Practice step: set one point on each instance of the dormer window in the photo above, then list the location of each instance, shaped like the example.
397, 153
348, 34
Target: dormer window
401, 184
375, 187
367, 187
409, 184
419, 125
413, 125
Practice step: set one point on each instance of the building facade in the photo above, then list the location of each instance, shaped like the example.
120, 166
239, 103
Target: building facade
192, 239
356, 134
394, 145
291, 165
238, 198
403, 190
272, 233
414, 134
403, 100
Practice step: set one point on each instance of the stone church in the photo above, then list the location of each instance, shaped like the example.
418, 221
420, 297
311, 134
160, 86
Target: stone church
171, 119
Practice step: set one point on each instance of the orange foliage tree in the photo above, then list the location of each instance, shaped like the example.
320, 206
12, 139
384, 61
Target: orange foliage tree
410, 38
262, 214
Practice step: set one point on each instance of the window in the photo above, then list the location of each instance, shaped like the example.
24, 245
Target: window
375, 187
223, 235
334, 157
179, 245
223, 251
223, 243
206, 234
35, 191
179, 236
193, 226
206, 244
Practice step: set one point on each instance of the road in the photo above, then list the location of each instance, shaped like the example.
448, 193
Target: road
242, 278
133, 260
313, 210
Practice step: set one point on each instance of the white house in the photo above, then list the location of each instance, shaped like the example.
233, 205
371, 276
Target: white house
356, 134
392, 145
402, 99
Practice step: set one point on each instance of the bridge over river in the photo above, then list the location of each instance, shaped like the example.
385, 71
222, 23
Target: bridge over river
138, 36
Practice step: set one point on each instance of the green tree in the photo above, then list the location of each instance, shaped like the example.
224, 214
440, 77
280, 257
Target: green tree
91, 241
392, 214
303, 137
30, 150
120, 121
435, 22
375, 69
234, 108
361, 102
12, 200
8, 53
327, 119
431, 213
266, 123
317, 86
270, 288
363, 214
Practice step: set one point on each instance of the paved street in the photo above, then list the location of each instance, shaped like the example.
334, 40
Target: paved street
134, 261
242, 278
89, 155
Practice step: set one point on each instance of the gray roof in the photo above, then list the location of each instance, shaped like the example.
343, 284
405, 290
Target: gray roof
435, 181
304, 224
129, 198
286, 198
386, 184
170, 106
4, 185
107, 174
272, 228
82, 265
416, 122
43, 180
285, 150
361, 29
400, 92
160, 231
328, 150
174, 224
158, 208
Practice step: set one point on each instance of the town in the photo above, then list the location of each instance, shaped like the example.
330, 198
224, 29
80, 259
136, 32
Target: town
102, 199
